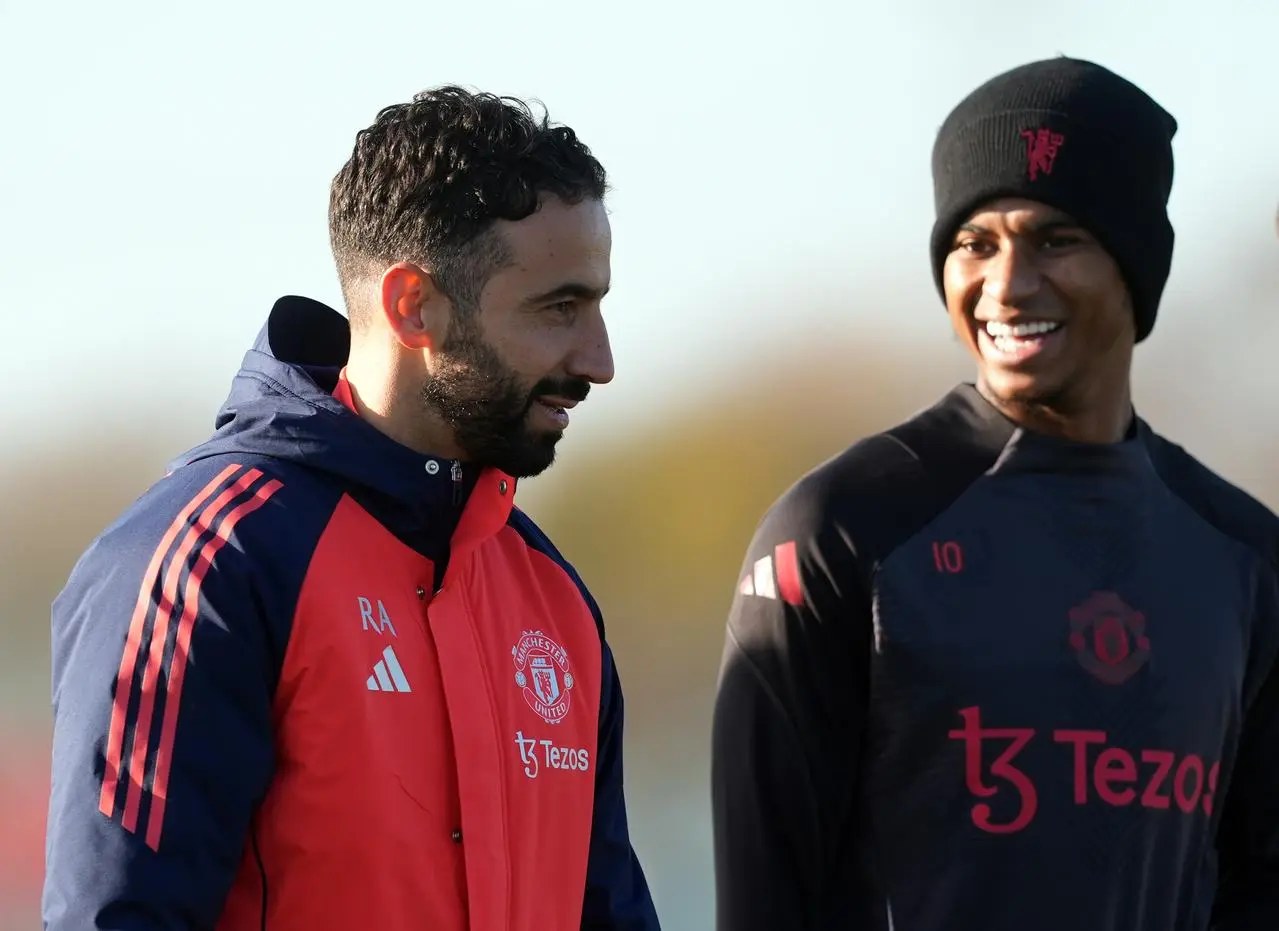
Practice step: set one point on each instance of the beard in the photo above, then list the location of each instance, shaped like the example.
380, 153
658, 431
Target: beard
486, 404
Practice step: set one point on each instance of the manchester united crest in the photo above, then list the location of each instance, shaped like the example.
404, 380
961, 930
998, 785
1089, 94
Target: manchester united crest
1109, 637
541, 671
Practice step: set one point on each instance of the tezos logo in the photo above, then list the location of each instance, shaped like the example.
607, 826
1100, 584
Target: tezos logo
574, 759
1152, 778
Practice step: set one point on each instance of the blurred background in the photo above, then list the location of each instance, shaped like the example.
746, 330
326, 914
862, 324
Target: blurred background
164, 172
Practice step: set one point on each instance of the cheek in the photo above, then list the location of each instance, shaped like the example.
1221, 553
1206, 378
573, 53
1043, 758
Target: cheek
1096, 292
1115, 321
961, 288
531, 352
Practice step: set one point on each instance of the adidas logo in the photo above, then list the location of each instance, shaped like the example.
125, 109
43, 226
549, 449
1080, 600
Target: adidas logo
388, 676
775, 575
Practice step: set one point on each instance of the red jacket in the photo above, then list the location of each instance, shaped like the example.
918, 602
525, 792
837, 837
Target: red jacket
311, 679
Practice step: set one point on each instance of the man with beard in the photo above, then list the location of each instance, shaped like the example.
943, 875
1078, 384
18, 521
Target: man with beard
1011, 664
324, 674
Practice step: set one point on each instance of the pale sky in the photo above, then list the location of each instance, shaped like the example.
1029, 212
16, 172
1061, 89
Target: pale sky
165, 167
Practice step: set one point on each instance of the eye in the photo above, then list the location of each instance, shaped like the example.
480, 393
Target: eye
562, 311
1061, 241
974, 247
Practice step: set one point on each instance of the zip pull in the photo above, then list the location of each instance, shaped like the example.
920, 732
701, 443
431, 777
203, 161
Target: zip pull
456, 473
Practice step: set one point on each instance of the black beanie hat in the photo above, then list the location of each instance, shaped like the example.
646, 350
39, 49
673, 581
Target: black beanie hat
1075, 136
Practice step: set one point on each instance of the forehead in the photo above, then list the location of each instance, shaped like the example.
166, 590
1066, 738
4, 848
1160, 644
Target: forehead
560, 242
1018, 213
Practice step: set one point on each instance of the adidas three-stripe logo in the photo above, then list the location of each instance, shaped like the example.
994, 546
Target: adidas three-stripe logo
776, 575
388, 675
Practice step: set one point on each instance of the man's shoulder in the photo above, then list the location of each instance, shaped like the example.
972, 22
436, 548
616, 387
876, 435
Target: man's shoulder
885, 487
538, 540
849, 481
230, 539
274, 510
1230, 509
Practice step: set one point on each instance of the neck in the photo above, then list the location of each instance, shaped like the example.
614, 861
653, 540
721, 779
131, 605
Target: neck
385, 391
1100, 421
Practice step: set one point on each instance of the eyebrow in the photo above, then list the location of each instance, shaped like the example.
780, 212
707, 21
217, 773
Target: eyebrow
570, 289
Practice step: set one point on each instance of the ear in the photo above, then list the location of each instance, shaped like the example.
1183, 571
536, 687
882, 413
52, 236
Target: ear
415, 309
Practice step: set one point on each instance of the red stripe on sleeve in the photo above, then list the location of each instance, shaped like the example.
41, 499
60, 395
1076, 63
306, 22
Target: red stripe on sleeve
160, 636
186, 623
133, 645
788, 582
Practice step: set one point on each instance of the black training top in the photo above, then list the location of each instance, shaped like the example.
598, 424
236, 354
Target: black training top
979, 678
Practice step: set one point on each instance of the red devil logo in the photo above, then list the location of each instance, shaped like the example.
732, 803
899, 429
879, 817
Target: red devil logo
1041, 150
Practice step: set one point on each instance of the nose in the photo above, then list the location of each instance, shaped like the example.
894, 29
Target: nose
1012, 275
593, 357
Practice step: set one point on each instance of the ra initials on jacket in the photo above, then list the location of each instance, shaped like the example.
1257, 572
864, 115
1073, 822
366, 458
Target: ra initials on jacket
450, 736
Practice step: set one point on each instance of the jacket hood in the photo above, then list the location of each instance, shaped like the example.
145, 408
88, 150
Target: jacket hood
281, 406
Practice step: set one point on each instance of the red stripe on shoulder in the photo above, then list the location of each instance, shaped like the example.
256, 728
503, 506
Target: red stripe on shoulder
163, 593
151, 673
789, 585
133, 643
178, 663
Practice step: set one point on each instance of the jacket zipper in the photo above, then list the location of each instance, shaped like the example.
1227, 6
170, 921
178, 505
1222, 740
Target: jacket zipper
455, 473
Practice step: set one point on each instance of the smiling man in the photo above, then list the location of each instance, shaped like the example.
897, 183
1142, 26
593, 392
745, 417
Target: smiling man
324, 674
1012, 663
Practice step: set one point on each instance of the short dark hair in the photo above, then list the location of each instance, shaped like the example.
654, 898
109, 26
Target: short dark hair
428, 179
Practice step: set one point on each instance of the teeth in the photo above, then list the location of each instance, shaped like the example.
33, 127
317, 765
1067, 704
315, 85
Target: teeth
1020, 330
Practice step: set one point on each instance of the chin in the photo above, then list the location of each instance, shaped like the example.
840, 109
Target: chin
531, 457
1021, 388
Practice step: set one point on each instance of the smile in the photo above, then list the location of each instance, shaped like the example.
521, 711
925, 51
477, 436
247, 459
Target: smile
1017, 342
557, 413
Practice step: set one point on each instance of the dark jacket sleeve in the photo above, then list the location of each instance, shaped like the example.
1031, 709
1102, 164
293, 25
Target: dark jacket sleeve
162, 672
1248, 838
617, 895
788, 723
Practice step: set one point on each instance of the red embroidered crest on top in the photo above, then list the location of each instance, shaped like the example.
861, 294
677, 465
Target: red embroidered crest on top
1041, 151
1109, 637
